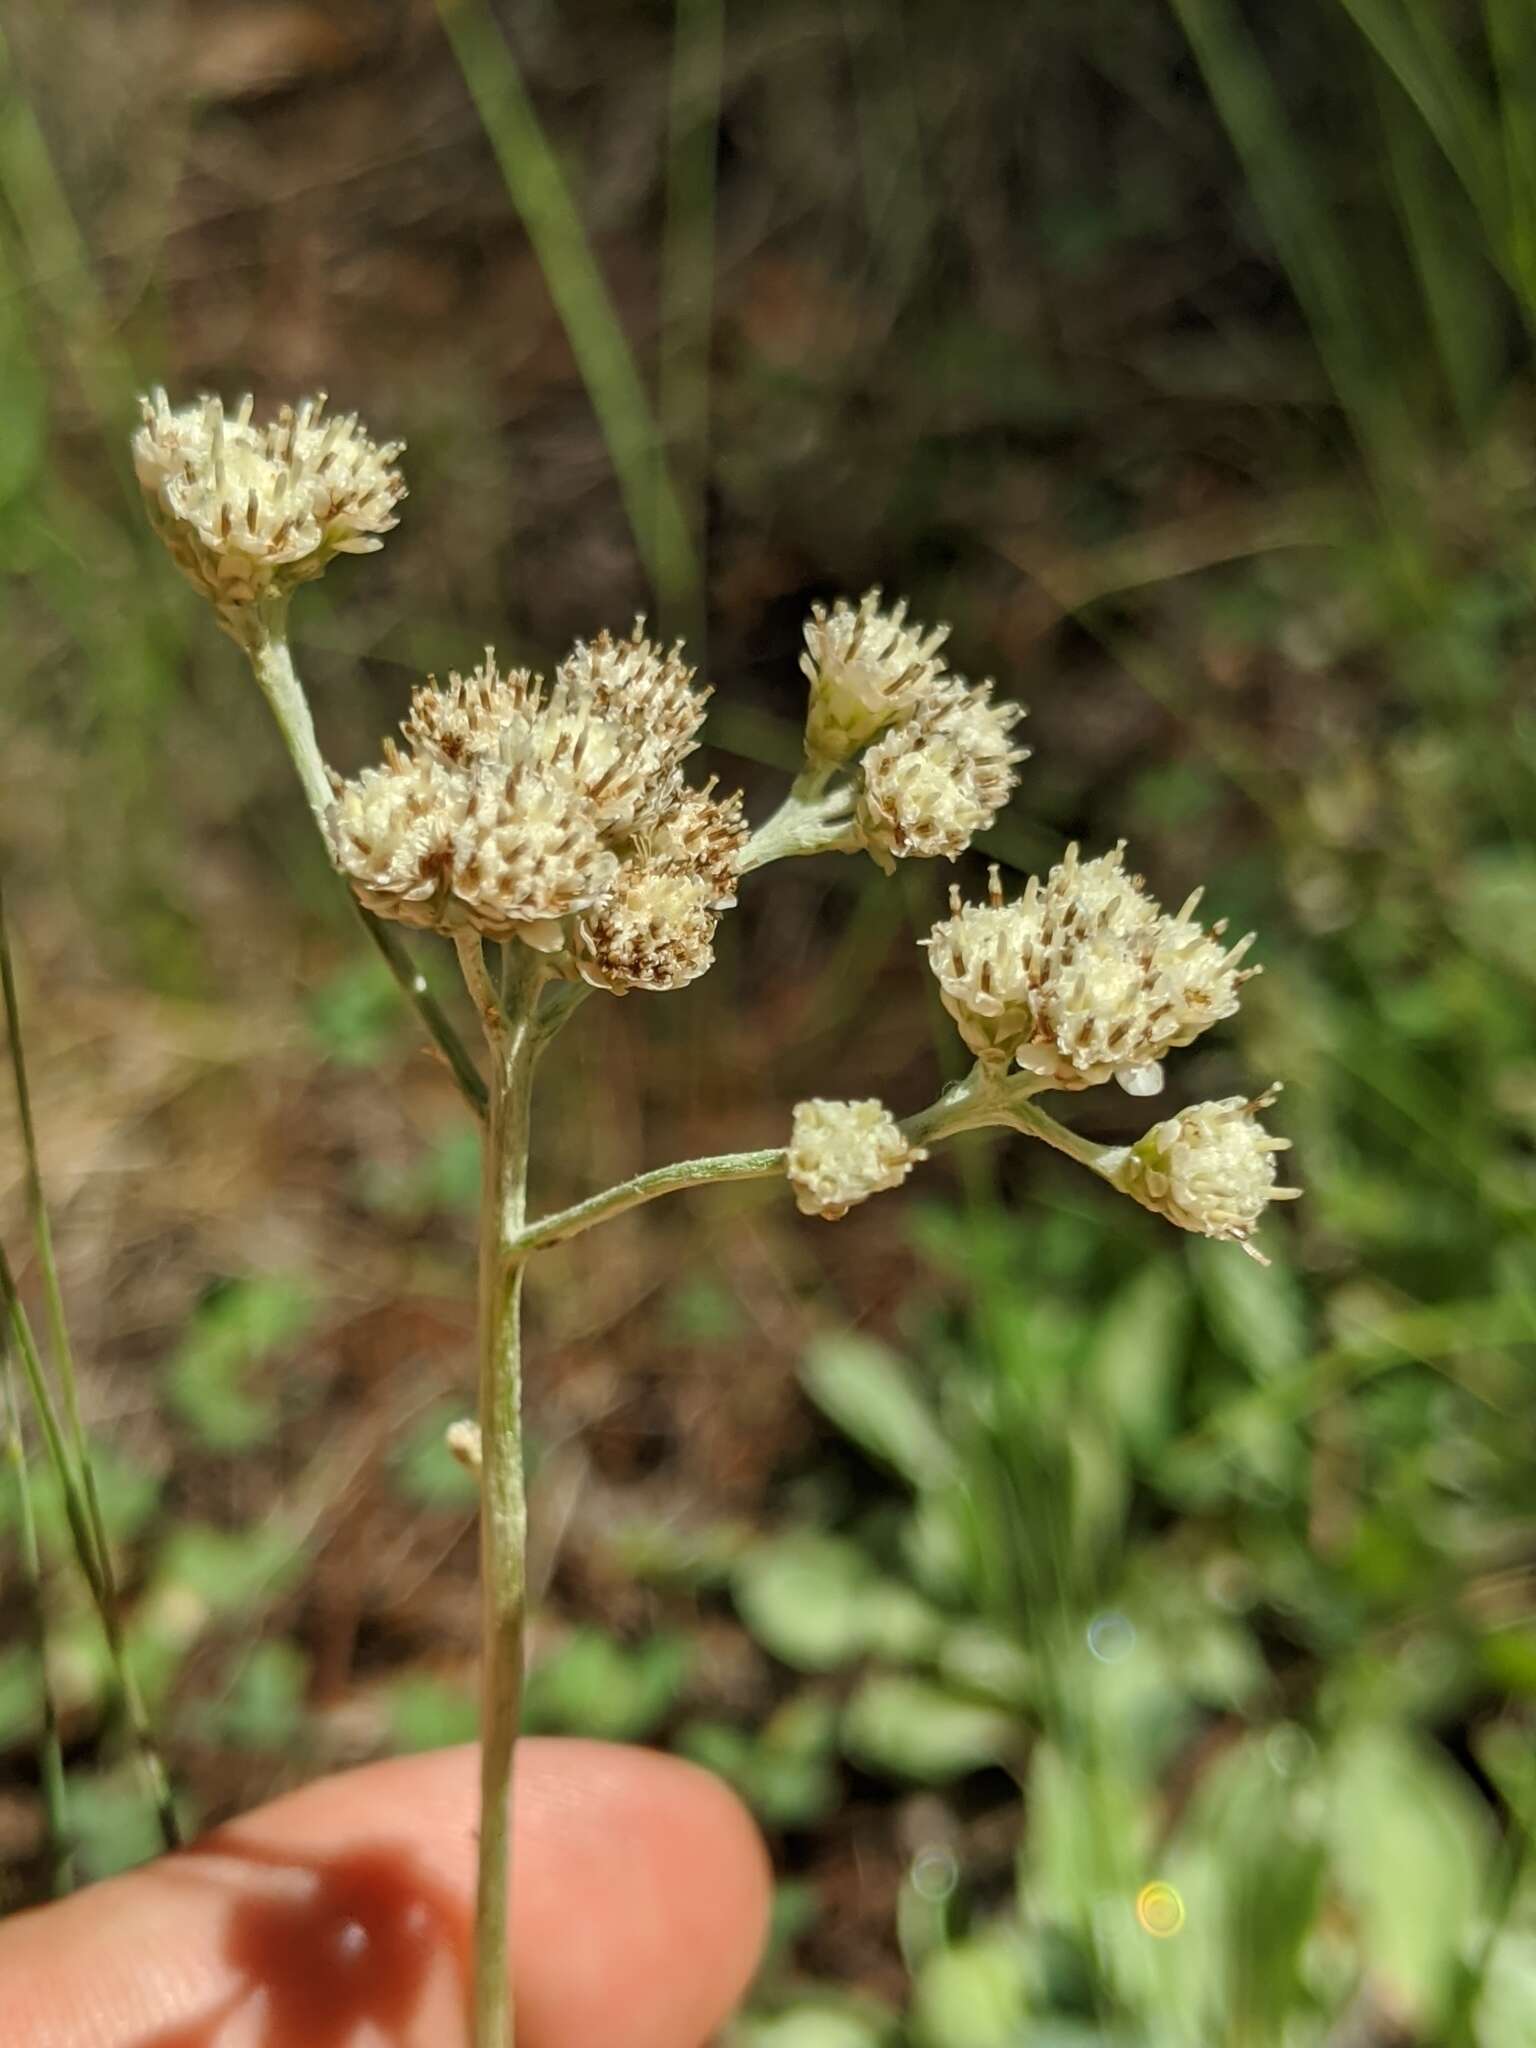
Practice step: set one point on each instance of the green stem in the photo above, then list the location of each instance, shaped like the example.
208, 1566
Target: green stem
264, 637
103, 1579
51, 1762
512, 1034
813, 818
272, 665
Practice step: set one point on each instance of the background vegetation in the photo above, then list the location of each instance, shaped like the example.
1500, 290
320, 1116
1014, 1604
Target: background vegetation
1123, 1644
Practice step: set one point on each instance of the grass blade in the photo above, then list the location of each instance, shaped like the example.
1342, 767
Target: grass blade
688, 267
73, 1457
1326, 281
538, 190
51, 1759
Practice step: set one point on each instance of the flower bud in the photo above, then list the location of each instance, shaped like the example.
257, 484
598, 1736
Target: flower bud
1210, 1169
840, 1153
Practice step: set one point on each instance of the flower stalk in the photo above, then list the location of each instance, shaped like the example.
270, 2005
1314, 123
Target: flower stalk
513, 1038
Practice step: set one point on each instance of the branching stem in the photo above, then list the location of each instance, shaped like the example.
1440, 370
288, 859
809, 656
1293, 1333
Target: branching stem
980, 1100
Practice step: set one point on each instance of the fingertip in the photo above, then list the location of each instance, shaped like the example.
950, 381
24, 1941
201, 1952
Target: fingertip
671, 1888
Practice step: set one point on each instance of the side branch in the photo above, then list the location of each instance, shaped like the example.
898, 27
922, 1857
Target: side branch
646, 1187
981, 1100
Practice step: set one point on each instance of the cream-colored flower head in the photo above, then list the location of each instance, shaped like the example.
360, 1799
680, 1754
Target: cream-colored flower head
1084, 979
930, 784
653, 930
506, 852
640, 686
1210, 1169
867, 669
840, 1153
462, 721
250, 512
555, 815
706, 835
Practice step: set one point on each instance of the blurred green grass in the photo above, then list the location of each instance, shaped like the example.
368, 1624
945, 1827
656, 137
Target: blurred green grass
1117, 1563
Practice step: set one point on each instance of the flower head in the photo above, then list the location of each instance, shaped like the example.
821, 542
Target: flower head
867, 669
705, 835
840, 1153
1210, 1169
640, 686
931, 783
558, 815
250, 512
506, 852
1085, 978
654, 929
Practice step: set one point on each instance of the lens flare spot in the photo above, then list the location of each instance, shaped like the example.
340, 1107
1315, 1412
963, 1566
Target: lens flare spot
1160, 1910
1111, 1637
935, 1874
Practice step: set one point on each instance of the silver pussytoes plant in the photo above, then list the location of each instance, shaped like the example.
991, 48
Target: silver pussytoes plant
550, 831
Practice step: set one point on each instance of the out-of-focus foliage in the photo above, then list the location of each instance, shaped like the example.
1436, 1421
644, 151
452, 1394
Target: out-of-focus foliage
1149, 1635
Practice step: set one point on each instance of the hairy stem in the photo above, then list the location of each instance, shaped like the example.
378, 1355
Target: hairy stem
265, 641
102, 1574
815, 817
512, 1034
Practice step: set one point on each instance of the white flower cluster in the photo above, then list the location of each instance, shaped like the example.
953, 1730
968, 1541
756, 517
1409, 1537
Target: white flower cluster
938, 759
1084, 979
555, 815
1210, 1169
841, 1153
248, 512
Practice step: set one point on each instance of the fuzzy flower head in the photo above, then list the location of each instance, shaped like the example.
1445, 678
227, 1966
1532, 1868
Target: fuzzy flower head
250, 512
931, 783
867, 669
506, 852
1084, 979
840, 1153
1210, 1169
557, 815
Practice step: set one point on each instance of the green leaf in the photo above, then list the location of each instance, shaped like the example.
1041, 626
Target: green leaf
817, 2022
803, 1598
1506, 2006
264, 1708
21, 1696
129, 1494
355, 1014
1411, 1849
914, 1728
233, 1333
973, 1994
592, 1685
1138, 1346
112, 1821
870, 1395
786, 1782
1255, 1311
229, 1570
430, 1713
